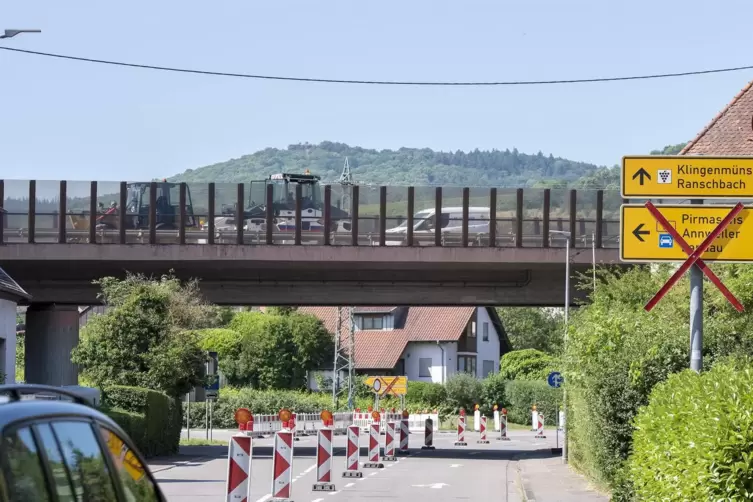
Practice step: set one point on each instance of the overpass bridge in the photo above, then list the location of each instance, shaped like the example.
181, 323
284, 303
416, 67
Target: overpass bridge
56, 239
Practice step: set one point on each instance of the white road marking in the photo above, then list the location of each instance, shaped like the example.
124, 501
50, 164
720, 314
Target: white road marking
317, 500
456, 465
334, 493
373, 474
265, 497
349, 485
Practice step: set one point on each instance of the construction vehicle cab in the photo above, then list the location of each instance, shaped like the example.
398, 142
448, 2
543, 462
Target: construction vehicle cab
168, 206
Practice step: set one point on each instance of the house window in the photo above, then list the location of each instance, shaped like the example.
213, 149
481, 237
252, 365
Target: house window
488, 368
372, 322
467, 364
485, 332
424, 367
471, 331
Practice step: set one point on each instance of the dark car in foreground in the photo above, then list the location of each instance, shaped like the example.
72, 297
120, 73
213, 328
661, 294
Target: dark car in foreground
55, 447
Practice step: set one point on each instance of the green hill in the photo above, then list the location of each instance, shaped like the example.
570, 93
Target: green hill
406, 166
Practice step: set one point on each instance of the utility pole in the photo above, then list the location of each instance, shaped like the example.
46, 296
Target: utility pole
346, 181
344, 356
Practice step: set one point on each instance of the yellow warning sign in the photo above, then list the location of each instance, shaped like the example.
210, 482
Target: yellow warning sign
384, 385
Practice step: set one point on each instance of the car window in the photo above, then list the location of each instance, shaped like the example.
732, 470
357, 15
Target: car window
85, 461
137, 485
24, 476
61, 478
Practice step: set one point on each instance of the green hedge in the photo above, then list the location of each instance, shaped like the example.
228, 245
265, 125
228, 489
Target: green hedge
159, 431
693, 441
522, 394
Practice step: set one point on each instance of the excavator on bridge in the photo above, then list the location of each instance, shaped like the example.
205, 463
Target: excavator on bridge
283, 203
137, 209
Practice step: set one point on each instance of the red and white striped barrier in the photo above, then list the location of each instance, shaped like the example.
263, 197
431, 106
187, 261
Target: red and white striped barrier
324, 461
239, 468
282, 465
291, 426
540, 427
503, 427
428, 435
390, 439
461, 431
404, 434
482, 429
373, 462
352, 453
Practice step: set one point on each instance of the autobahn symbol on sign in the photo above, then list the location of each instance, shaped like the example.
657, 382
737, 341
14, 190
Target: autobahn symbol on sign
694, 256
555, 379
687, 177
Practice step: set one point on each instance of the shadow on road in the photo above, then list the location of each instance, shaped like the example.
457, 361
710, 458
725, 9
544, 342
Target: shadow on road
165, 480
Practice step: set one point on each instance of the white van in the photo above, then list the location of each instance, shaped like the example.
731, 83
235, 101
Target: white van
451, 221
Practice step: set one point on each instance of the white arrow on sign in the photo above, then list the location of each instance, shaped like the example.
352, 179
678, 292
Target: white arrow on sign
436, 486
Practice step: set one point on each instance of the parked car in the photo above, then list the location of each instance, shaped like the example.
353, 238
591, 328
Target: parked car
57, 448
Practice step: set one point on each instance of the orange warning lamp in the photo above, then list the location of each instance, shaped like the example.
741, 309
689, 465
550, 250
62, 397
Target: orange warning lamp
533, 407
285, 416
326, 416
462, 412
370, 408
495, 407
243, 416
475, 407
406, 414
358, 410
376, 416
504, 411
392, 410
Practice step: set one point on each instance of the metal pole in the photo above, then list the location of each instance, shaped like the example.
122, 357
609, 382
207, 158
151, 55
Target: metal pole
696, 314
210, 419
188, 415
567, 312
206, 417
593, 258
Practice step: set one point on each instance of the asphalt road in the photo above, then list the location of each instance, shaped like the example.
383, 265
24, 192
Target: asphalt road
474, 472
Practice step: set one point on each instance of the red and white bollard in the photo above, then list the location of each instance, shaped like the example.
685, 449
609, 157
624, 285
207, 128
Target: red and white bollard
390, 438
324, 460
404, 433
483, 439
428, 435
540, 427
503, 426
461, 430
282, 464
292, 426
352, 453
374, 462
239, 468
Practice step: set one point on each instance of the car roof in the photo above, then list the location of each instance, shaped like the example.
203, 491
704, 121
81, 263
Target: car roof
30, 409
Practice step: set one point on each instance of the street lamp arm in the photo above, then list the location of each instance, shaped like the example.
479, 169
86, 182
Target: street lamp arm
13, 33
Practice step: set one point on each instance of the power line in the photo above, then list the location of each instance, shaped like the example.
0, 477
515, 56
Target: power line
382, 82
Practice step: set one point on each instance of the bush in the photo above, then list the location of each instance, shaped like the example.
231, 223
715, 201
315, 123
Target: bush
492, 392
693, 440
522, 395
432, 395
160, 433
134, 424
463, 391
527, 364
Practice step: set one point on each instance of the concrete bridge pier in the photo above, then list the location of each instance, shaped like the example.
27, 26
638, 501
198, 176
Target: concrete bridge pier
51, 334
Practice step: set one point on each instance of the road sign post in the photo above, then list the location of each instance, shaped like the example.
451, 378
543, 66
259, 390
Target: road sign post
555, 379
721, 232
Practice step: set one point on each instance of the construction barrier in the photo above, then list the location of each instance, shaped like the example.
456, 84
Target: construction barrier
404, 434
324, 461
352, 453
389, 442
482, 429
373, 462
503, 427
496, 418
461, 430
291, 425
308, 424
540, 427
282, 465
534, 418
428, 435
239, 468
562, 420
476, 419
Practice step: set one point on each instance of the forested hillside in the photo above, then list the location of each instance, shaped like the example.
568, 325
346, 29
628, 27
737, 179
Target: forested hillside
406, 166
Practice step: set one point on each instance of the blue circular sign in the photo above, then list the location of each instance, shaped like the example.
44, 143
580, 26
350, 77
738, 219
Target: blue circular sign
555, 379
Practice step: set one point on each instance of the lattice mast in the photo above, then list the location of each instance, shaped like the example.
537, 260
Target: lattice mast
344, 356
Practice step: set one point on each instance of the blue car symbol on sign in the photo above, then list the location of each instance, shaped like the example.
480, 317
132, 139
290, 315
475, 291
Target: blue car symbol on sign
555, 379
666, 241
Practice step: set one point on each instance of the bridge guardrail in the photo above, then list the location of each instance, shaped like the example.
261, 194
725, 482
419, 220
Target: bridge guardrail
376, 216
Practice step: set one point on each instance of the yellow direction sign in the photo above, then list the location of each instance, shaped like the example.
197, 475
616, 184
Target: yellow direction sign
383, 385
643, 239
687, 177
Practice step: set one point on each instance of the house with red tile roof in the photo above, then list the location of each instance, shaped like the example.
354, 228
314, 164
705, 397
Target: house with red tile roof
428, 344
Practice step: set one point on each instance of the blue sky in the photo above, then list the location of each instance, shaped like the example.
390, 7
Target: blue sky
78, 121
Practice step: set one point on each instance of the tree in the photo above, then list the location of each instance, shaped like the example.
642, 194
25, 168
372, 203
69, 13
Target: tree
526, 364
145, 337
278, 351
533, 328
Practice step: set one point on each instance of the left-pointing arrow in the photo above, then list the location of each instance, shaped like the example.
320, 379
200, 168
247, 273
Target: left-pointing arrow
638, 232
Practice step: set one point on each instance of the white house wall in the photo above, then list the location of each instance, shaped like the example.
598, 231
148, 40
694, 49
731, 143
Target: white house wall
8, 335
419, 350
486, 351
